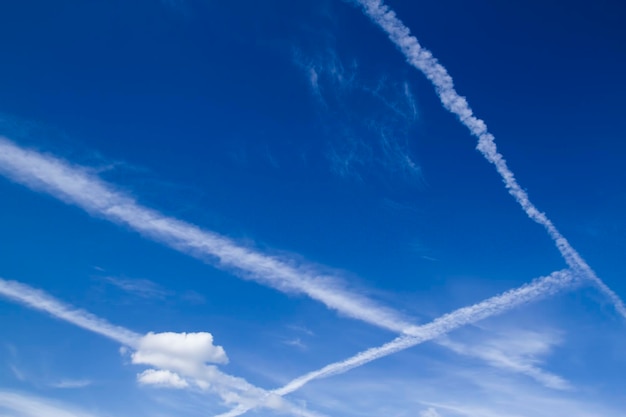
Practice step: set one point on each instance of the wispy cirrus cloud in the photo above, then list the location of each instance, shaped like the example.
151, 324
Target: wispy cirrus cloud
514, 350
24, 405
368, 122
141, 287
424, 61
487, 395
422, 385
430, 412
176, 356
71, 383
17, 372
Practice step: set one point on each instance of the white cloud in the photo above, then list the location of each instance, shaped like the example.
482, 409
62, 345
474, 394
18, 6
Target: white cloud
184, 352
162, 378
182, 361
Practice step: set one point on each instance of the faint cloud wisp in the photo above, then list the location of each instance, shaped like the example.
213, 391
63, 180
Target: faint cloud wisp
368, 123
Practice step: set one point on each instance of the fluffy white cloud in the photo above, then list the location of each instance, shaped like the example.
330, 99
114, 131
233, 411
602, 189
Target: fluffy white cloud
183, 360
179, 352
162, 378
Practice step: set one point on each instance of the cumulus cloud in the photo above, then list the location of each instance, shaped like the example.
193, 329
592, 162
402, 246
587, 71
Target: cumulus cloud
185, 360
161, 378
181, 351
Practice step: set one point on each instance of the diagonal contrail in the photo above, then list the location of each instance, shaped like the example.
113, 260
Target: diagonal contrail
423, 60
537, 289
76, 185
39, 300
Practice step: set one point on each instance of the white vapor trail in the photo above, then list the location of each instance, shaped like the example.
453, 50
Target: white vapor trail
76, 185
39, 300
538, 288
230, 388
423, 60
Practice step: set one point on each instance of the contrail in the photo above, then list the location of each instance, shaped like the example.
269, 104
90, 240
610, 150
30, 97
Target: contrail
538, 288
39, 300
76, 185
222, 384
423, 60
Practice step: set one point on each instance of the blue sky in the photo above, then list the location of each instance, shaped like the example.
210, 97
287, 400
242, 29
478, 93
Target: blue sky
279, 208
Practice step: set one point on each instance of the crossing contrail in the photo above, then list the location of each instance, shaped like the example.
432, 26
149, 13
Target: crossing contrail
423, 60
537, 289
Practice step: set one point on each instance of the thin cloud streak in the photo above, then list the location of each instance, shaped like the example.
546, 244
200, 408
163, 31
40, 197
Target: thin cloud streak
30, 406
140, 287
423, 60
39, 300
71, 383
78, 186
538, 288
516, 352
